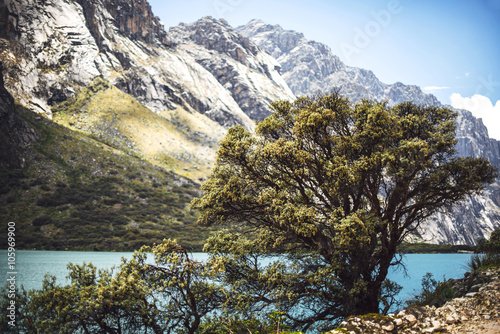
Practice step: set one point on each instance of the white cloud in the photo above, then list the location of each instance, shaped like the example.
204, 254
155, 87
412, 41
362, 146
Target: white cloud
434, 88
481, 107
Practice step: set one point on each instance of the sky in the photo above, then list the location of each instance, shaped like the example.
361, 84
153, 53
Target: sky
450, 48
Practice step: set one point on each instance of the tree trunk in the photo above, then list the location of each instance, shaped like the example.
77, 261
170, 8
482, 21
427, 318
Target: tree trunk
368, 303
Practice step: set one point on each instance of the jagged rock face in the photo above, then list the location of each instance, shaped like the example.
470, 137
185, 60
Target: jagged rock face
53, 49
473, 139
15, 134
47, 52
216, 35
133, 18
251, 75
476, 216
310, 67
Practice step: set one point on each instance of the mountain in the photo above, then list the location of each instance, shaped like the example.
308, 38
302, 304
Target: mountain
200, 86
477, 216
309, 67
251, 75
108, 73
67, 190
112, 114
53, 49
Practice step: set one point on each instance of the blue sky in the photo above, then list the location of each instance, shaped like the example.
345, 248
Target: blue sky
450, 48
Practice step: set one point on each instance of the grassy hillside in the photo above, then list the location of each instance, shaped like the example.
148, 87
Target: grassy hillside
179, 140
80, 193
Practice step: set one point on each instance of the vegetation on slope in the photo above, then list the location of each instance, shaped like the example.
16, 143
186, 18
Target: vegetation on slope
80, 194
287, 183
179, 140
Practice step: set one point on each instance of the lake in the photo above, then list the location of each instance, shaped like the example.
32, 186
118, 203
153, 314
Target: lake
31, 266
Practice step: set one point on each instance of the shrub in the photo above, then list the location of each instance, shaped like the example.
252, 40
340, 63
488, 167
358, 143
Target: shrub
480, 261
491, 246
433, 293
490, 252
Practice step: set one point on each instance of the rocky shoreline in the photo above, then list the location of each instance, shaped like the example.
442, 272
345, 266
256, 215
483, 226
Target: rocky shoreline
474, 310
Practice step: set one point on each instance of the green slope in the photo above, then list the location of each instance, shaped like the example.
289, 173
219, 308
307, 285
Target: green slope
79, 193
183, 141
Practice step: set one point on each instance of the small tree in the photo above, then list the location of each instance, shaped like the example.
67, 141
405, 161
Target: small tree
491, 246
173, 295
336, 187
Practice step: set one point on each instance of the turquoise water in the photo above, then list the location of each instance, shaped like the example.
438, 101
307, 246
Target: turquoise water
31, 266
442, 266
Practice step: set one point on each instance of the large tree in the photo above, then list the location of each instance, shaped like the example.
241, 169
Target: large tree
335, 187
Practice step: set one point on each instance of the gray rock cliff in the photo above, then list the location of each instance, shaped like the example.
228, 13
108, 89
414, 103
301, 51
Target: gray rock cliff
249, 73
53, 49
476, 216
15, 133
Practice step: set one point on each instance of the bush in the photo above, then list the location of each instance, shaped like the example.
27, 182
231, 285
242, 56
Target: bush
480, 261
433, 293
10, 180
237, 325
490, 252
491, 246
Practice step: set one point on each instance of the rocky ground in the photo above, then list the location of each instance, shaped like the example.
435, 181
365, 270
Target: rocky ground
474, 311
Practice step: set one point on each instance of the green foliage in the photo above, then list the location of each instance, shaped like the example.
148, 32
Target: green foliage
171, 139
237, 325
433, 293
78, 194
388, 294
173, 295
482, 261
10, 179
489, 253
75, 104
490, 246
336, 188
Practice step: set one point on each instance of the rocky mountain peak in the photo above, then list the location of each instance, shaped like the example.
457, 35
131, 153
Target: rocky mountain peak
473, 139
215, 35
248, 72
136, 20
55, 48
273, 38
132, 18
308, 67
